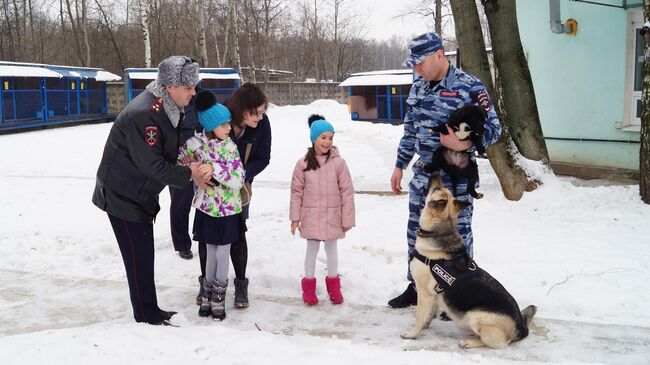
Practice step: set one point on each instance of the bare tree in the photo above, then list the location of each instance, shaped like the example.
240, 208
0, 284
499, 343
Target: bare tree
107, 26
503, 153
144, 23
247, 17
644, 149
203, 50
521, 106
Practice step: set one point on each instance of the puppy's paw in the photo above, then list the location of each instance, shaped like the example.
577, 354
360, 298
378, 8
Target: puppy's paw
410, 335
479, 195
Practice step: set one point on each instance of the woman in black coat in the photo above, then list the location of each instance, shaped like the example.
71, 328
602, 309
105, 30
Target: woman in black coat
251, 131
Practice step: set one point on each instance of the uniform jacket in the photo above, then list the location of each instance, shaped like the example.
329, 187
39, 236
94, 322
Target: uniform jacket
224, 199
431, 105
260, 141
322, 199
139, 160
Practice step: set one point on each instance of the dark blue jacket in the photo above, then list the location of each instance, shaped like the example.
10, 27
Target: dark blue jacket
260, 151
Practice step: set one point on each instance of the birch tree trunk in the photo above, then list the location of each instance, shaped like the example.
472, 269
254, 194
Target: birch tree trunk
438, 17
644, 149
502, 154
84, 32
229, 24
202, 46
518, 92
248, 8
236, 34
144, 22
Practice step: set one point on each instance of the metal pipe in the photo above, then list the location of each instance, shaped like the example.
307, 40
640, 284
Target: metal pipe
591, 140
556, 24
597, 3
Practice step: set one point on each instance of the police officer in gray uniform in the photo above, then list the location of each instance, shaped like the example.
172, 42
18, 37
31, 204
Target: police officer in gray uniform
438, 90
139, 160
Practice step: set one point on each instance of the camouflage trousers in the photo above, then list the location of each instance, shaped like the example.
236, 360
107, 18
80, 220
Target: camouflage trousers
417, 196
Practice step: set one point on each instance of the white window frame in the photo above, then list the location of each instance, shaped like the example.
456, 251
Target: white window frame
630, 121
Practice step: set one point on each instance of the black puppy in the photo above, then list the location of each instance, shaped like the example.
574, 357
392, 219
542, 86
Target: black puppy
466, 122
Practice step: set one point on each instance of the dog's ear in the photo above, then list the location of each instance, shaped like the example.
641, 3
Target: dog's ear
460, 205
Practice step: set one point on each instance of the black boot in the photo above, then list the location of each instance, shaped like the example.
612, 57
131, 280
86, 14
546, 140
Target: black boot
241, 293
205, 309
199, 297
406, 299
218, 300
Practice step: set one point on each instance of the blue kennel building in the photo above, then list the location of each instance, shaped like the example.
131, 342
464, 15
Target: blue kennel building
221, 81
378, 96
36, 95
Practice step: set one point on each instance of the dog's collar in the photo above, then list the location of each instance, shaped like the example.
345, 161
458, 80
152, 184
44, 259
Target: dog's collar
448, 271
428, 234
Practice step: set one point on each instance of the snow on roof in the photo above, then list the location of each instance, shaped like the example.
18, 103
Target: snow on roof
20, 69
389, 77
385, 72
27, 71
150, 74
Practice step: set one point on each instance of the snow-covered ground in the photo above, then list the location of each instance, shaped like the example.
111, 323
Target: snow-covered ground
576, 250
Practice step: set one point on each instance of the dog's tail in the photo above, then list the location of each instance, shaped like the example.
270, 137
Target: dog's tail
528, 313
522, 328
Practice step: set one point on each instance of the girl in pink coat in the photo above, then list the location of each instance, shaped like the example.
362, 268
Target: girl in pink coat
322, 206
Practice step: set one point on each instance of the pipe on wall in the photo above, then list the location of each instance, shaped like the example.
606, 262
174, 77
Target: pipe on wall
556, 24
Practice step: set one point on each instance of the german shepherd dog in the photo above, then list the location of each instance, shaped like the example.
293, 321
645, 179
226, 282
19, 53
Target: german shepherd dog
447, 278
467, 122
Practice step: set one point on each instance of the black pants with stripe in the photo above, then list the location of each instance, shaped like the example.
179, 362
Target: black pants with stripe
179, 216
136, 245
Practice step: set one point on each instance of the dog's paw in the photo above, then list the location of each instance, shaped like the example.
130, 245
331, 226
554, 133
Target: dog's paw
471, 343
479, 195
410, 335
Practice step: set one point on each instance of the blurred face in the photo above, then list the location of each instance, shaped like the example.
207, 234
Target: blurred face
251, 118
181, 95
434, 66
323, 143
222, 131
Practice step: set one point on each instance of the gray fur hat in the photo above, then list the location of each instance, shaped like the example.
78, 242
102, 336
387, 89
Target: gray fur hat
178, 71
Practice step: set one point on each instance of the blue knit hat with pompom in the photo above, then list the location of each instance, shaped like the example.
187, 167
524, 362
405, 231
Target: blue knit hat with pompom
211, 113
317, 126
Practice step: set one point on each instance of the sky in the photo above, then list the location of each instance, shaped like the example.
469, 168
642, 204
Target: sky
576, 249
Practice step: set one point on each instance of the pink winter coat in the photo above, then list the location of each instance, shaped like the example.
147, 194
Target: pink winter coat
322, 199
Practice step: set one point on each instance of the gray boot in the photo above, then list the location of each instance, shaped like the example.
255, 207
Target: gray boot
218, 300
199, 296
241, 293
205, 308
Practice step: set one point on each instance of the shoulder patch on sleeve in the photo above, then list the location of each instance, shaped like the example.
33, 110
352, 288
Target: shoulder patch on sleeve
157, 105
151, 135
483, 100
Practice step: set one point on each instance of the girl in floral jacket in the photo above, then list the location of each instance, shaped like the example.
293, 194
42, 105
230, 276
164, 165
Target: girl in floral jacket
322, 206
217, 221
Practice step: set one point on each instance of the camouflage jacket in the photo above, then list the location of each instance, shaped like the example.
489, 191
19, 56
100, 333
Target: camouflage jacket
430, 106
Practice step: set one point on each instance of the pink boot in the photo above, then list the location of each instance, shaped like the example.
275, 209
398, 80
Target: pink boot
309, 291
334, 289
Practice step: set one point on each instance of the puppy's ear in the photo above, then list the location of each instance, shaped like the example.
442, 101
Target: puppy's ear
460, 205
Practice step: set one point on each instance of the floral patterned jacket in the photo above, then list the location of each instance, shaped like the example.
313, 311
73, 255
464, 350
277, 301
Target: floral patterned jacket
224, 199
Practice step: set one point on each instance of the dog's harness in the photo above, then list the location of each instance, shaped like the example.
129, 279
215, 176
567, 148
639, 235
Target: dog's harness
447, 272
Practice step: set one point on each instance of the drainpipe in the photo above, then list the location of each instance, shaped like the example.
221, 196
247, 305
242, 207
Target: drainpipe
556, 24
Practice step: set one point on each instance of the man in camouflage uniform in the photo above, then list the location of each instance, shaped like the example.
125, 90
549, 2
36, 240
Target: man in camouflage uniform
438, 90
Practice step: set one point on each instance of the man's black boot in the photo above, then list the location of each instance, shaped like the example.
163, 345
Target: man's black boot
406, 299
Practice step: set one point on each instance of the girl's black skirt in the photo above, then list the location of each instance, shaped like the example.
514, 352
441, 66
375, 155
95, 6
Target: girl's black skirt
217, 231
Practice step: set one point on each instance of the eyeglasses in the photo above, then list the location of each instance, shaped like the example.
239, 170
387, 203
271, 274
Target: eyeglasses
257, 112
188, 61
